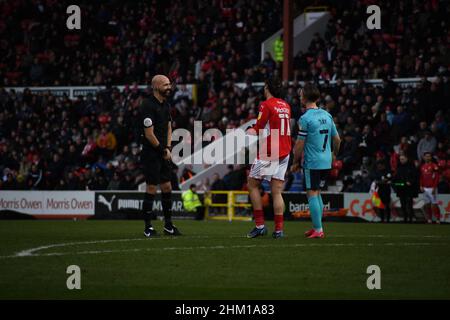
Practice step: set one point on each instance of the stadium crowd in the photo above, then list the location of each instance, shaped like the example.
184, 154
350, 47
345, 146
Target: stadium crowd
125, 42
413, 42
49, 142
122, 43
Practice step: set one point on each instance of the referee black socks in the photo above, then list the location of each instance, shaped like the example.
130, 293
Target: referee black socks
147, 208
166, 201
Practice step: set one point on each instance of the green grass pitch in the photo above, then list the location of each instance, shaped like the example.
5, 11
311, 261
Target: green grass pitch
214, 260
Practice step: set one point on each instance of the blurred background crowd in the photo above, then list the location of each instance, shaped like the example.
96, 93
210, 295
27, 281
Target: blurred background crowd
213, 41
53, 142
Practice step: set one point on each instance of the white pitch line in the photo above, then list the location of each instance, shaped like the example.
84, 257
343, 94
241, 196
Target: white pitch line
29, 252
32, 252
388, 236
221, 247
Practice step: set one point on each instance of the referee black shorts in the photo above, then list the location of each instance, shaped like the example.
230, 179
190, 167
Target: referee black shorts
156, 169
315, 179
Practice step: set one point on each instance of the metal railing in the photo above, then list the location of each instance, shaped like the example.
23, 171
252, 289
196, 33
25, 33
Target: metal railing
231, 204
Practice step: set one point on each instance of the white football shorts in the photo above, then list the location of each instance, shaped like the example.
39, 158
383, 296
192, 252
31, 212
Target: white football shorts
268, 170
428, 196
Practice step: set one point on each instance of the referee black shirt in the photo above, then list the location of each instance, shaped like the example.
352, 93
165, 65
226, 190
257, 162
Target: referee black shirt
157, 115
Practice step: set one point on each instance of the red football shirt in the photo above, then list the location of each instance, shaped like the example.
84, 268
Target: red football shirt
429, 175
274, 118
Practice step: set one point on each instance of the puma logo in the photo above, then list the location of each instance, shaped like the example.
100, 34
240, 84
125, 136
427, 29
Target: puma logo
103, 200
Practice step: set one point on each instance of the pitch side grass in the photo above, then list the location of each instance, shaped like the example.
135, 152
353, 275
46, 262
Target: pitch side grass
214, 260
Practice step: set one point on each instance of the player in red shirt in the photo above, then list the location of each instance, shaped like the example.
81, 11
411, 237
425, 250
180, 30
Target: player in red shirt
429, 179
273, 157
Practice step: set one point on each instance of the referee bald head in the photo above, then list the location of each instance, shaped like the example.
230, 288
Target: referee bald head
162, 88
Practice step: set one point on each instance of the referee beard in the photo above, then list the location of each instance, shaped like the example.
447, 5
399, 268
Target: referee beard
156, 153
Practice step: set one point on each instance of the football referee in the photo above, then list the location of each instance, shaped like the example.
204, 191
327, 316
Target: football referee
156, 153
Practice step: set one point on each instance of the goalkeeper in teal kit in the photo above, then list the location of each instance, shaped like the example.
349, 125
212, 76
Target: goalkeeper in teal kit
316, 135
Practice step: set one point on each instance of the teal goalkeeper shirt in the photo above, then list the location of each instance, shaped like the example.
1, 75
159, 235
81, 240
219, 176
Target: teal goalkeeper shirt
317, 129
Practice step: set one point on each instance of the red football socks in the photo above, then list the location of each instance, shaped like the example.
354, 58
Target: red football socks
278, 218
437, 212
259, 217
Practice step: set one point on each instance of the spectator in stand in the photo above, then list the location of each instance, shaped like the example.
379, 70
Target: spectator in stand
427, 144
61, 185
367, 165
227, 176
192, 203
127, 183
348, 151
381, 133
422, 130
114, 184
442, 150
187, 173
401, 123
35, 178
383, 187
9, 182
72, 182
429, 180
366, 146
217, 183
361, 183
278, 49
120, 132
269, 63
440, 124
55, 169
235, 178
405, 184
106, 142
348, 184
